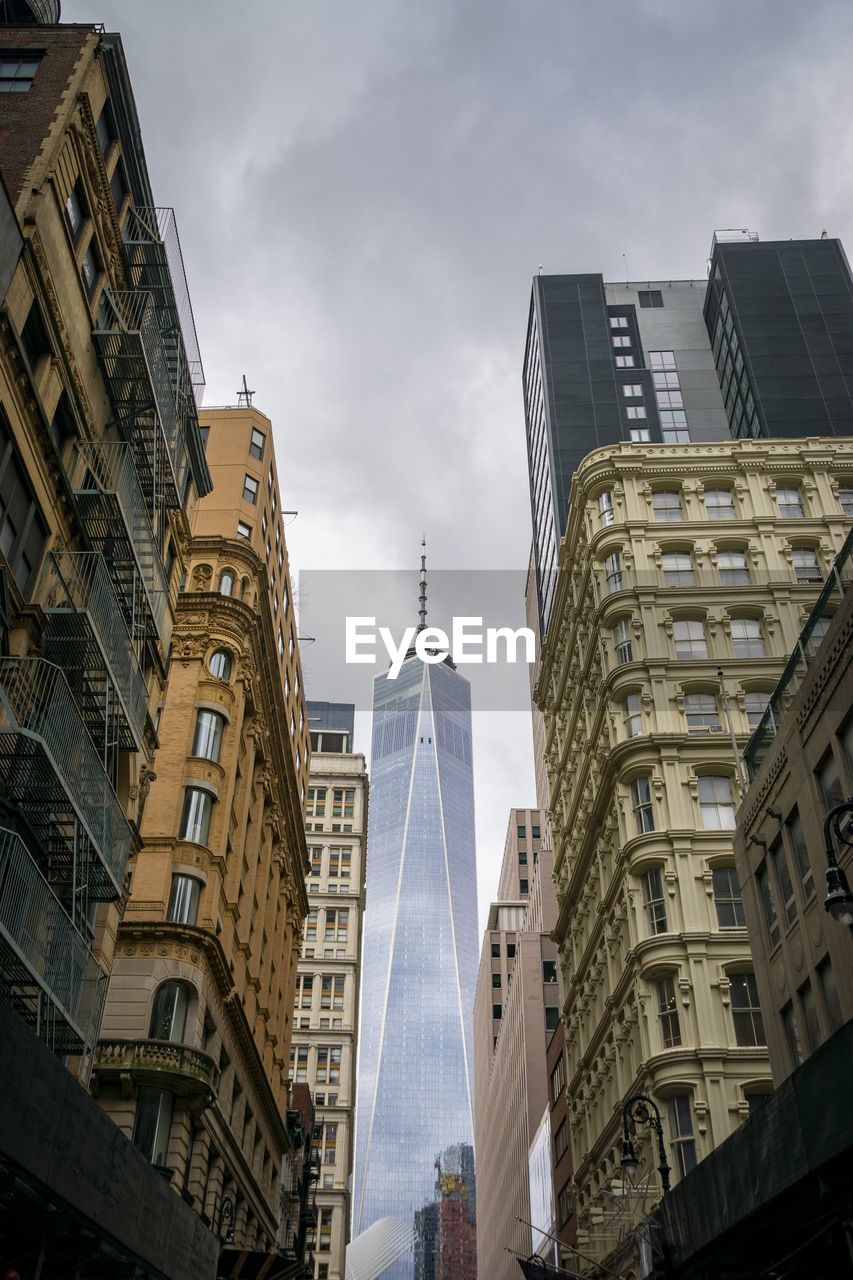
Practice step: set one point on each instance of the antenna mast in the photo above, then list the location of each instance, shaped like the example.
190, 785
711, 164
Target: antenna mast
423, 596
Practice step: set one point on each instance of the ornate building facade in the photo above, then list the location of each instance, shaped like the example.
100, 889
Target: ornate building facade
685, 575
325, 1036
194, 1056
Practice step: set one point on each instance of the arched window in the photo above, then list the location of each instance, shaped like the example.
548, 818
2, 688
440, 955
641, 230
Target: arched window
733, 567
700, 710
678, 569
632, 715
207, 742
689, 638
654, 902
666, 505
220, 664
748, 638
169, 1012
226, 582
606, 514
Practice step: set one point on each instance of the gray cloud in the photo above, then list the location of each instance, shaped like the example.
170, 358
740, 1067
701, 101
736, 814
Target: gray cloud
364, 191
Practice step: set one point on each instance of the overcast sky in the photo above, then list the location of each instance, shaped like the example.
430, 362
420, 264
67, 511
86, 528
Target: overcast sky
364, 190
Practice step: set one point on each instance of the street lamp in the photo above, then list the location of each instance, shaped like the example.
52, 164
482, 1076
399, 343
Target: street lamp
642, 1110
839, 899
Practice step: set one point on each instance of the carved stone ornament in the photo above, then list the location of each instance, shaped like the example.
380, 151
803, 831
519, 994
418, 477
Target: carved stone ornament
201, 577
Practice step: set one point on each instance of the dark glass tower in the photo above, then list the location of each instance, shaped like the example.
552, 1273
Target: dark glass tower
780, 318
420, 945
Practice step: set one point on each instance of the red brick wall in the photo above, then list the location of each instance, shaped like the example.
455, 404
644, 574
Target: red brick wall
26, 118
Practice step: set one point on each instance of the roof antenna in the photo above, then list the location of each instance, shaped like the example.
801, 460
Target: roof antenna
244, 396
627, 268
423, 596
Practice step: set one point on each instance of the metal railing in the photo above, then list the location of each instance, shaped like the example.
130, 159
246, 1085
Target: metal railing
837, 584
118, 522
77, 584
36, 705
40, 942
137, 373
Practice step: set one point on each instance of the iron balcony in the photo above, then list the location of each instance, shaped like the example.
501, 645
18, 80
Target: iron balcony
50, 770
47, 969
88, 638
118, 523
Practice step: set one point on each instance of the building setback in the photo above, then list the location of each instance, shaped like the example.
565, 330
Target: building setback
194, 1057
685, 571
325, 1041
516, 1009
101, 465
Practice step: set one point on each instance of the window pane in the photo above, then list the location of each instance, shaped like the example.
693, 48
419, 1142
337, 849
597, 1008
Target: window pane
668, 1012
250, 489
727, 899
195, 819
716, 803
654, 902
153, 1124
220, 664
746, 1011
689, 637
256, 448
184, 900
169, 1013
208, 735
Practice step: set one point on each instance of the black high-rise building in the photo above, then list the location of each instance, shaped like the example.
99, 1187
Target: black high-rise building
780, 318
764, 347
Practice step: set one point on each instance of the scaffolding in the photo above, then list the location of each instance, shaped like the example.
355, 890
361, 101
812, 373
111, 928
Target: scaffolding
118, 524
87, 636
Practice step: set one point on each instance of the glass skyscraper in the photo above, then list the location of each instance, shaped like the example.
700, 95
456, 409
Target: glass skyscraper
420, 945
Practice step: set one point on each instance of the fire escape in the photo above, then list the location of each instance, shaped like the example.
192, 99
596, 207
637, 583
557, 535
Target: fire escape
66, 715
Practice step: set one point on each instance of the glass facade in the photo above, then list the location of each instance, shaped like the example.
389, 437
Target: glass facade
420, 946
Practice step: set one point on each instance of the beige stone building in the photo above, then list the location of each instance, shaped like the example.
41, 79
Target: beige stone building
193, 1062
685, 574
800, 760
516, 1008
325, 1038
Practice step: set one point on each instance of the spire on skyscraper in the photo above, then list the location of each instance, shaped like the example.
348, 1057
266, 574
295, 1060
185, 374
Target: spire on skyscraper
423, 596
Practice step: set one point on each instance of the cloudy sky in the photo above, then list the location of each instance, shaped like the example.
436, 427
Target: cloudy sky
364, 190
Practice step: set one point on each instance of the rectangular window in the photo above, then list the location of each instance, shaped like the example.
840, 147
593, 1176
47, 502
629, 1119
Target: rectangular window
810, 1018
747, 638
632, 715
625, 362
184, 898
558, 1080
789, 503
564, 1204
91, 268
783, 879
618, 322
256, 445
792, 1035
75, 210
552, 1017
719, 504
805, 564
311, 925
641, 803
654, 902
668, 1013
105, 128
243, 530
632, 390
17, 70
621, 341
797, 841
640, 435
716, 802
196, 815
496, 1012
845, 499
521, 832
673, 425
755, 703
727, 899
522, 887
23, 532
681, 1138
666, 505
613, 570
561, 1140
34, 337
768, 904
662, 359
677, 569
622, 640
689, 638
700, 710
830, 786
496, 981
746, 1011
549, 971
829, 992
635, 411
250, 489
733, 568
650, 298
343, 802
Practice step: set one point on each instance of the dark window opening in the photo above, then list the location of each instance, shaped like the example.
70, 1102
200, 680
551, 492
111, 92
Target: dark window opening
34, 337
650, 298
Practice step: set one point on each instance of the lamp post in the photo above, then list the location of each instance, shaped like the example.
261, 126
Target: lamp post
839, 899
642, 1110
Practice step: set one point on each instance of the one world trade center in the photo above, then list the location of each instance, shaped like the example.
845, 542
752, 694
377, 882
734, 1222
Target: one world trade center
414, 1097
